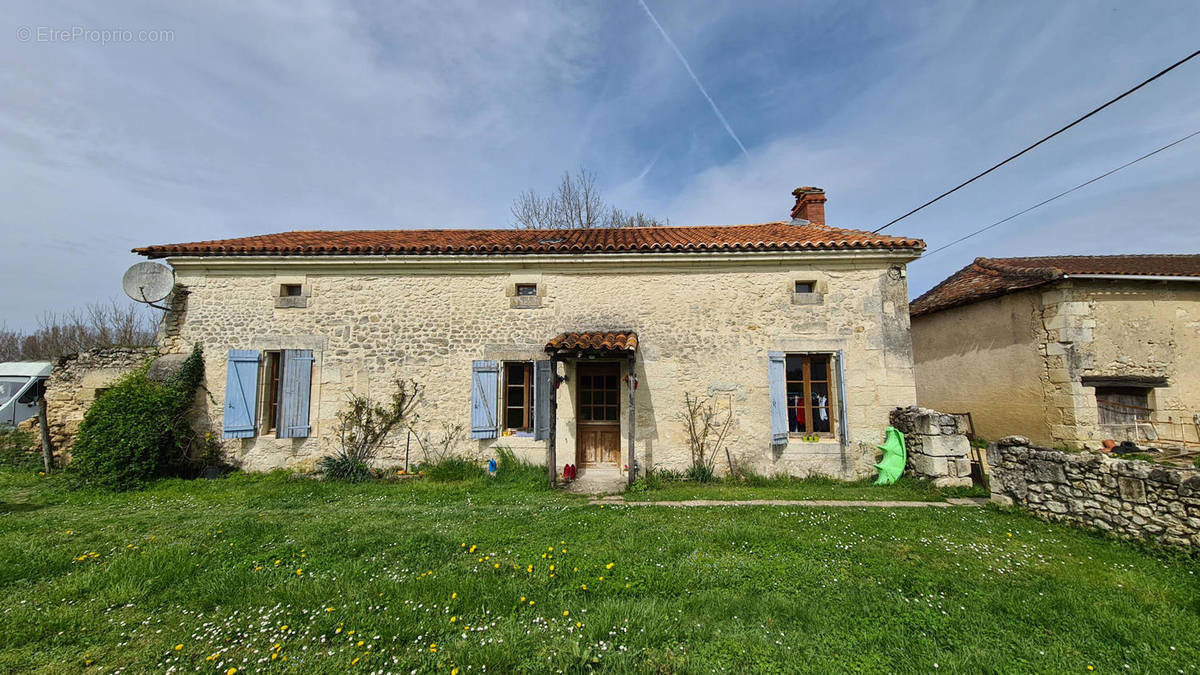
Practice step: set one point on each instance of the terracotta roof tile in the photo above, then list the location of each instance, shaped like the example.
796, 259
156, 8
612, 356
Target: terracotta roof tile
625, 341
990, 277
782, 236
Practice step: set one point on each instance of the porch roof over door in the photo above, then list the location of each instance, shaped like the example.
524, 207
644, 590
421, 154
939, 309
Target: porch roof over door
594, 343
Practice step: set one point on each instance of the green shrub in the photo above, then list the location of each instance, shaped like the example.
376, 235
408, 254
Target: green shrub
343, 467
16, 449
452, 469
511, 470
138, 430
700, 472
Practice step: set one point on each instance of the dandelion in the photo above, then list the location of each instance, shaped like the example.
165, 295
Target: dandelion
453, 596
472, 549
355, 660
578, 624
178, 647
231, 671
530, 603
530, 569
283, 627
552, 568
359, 643
328, 609
299, 572
496, 565
522, 598
566, 612
453, 619
278, 561
433, 647
583, 586
454, 671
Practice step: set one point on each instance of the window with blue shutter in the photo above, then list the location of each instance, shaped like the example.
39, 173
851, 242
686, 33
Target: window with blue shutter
295, 387
485, 385
542, 391
241, 393
778, 391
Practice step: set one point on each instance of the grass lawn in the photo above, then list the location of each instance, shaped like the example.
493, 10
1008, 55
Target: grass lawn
904, 489
265, 573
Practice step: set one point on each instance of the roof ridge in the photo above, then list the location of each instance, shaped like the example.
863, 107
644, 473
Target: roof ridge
1001, 265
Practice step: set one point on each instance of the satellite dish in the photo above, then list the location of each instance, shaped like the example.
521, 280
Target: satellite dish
148, 282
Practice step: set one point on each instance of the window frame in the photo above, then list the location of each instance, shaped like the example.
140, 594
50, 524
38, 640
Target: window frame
812, 286
806, 385
272, 391
526, 387
530, 286
285, 290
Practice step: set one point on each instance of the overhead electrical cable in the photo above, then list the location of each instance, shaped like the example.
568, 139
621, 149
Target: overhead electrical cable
976, 177
1061, 194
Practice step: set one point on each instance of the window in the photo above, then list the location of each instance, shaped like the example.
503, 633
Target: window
272, 392
10, 386
1123, 405
809, 401
526, 290
518, 396
290, 290
806, 287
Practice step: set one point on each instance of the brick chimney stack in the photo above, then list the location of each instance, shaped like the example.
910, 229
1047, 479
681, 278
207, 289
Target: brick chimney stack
810, 206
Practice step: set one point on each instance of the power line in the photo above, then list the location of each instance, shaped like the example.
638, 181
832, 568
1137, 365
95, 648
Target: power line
967, 182
1061, 194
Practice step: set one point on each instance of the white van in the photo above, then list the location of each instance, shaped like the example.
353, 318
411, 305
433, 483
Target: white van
22, 383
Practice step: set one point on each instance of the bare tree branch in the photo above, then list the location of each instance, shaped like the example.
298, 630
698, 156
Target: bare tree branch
576, 204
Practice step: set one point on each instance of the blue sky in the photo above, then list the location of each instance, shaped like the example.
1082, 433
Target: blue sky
262, 117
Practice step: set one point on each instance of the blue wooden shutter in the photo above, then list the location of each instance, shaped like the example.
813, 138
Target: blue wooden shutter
778, 389
241, 393
542, 391
843, 424
296, 384
485, 384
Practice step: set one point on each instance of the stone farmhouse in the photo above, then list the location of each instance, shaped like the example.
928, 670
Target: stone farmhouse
1068, 350
567, 346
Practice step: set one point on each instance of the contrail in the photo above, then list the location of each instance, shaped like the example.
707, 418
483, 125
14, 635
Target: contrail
695, 79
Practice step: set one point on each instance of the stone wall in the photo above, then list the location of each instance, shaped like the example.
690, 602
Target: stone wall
704, 323
74, 383
937, 445
1127, 498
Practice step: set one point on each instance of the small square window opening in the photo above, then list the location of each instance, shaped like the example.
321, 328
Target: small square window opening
805, 286
290, 290
526, 290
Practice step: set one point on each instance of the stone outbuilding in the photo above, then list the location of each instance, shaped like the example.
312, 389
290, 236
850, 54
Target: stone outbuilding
566, 346
1066, 350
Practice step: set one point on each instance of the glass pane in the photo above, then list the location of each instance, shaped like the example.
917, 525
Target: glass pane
585, 398
819, 368
611, 398
515, 418
585, 381
9, 386
610, 382
526, 289
516, 373
821, 420
795, 368
612, 415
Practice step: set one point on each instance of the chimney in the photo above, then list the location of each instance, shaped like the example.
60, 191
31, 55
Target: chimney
810, 206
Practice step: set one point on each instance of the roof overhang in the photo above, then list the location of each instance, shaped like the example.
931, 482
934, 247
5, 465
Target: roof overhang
595, 262
1131, 277
594, 344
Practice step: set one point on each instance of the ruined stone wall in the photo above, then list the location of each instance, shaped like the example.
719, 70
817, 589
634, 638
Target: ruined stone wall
936, 444
705, 326
74, 382
1127, 498
1120, 328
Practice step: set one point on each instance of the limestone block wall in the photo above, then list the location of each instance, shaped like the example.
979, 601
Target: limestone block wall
1120, 328
1127, 498
937, 444
74, 382
704, 324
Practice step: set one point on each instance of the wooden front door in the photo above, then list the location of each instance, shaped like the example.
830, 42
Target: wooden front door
598, 415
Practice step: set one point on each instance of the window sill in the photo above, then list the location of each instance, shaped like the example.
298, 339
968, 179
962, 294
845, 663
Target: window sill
525, 302
291, 302
808, 298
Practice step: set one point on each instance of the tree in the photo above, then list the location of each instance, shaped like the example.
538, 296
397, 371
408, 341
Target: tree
575, 205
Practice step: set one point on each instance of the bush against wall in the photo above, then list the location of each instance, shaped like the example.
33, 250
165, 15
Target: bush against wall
138, 429
362, 427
